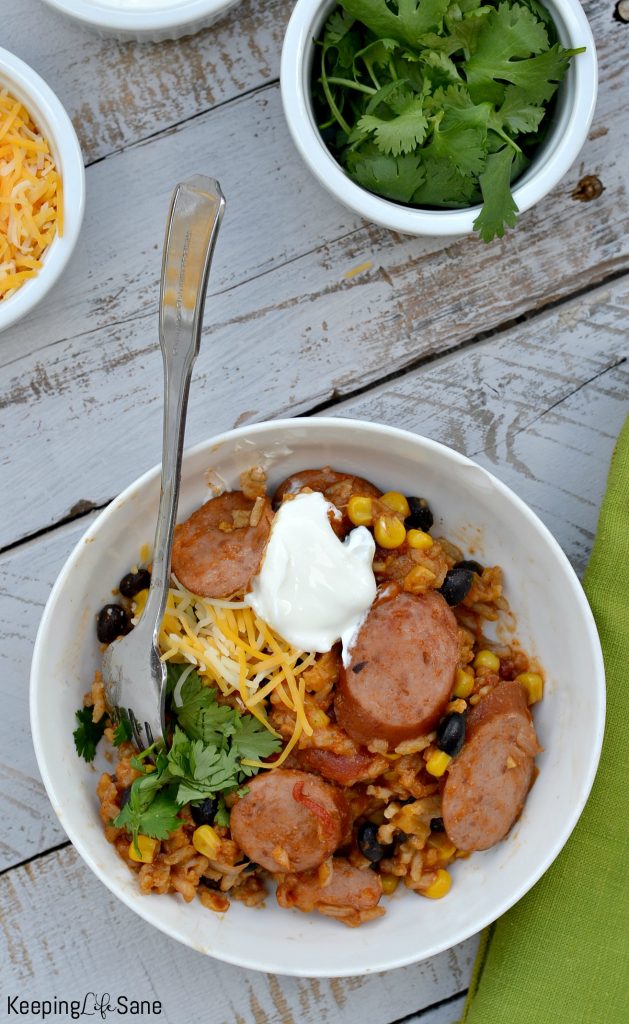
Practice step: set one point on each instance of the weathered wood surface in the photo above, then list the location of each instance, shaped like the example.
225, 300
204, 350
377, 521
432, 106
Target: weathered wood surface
539, 405
118, 93
55, 912
308, 306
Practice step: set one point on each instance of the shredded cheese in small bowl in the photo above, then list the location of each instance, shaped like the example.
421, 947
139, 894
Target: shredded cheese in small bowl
31, 196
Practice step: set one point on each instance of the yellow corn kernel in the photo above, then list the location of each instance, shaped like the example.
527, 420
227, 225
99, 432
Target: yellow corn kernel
440, 887
488, 660
317, 717
396, 501
206, 841
439, 841
419, 540
138, 603
359, 511
147, 848
463, 683
389, 532
437, 763
389, 884
533, 684
418, 579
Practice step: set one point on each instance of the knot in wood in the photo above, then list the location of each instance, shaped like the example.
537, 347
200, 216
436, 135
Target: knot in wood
621, 12
590, 187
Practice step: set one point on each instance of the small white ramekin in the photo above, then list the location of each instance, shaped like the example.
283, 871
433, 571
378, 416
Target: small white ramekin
575, 108
146, 21
52, 120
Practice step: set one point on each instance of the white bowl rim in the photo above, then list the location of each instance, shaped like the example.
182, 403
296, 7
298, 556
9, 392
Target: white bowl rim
44, 104
407, 219
145, 19
440, 450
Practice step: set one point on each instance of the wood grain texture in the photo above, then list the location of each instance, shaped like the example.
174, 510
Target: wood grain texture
541, 406
117, 93
54, 913
290, 322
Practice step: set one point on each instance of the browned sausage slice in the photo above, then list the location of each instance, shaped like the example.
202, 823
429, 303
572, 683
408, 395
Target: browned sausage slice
336, 487
350, 894
289, 820
214, 554
487, 783
401, 670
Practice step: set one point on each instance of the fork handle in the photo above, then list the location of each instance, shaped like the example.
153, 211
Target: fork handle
194, 220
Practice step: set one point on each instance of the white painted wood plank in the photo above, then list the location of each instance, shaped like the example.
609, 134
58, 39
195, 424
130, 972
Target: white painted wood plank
63, 933
541, 406
26, 578
277, 213
117, 93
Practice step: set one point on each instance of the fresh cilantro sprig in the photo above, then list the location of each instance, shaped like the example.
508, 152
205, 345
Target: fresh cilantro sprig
439, 103
205, 759
87, 734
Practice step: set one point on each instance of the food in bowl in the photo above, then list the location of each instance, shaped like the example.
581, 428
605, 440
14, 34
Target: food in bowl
31, 196
336, 769
438, 105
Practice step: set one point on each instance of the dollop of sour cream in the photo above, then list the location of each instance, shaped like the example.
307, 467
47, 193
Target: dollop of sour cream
313, 588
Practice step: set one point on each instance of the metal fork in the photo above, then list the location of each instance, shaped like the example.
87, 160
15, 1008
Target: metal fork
134, 676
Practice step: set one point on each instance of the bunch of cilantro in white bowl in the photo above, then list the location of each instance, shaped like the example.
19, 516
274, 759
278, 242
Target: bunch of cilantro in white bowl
454, 109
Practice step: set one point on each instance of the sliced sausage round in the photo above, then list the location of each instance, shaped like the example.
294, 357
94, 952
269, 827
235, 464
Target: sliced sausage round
217, 550
289, 820
350, 891
336, 488
487, 782
401, 670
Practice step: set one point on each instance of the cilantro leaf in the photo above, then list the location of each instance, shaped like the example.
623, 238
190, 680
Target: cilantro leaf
200, 769
398, 134
156, 817
510, 34
88, 734
518, 112
122, 732
499, 207
252, 740
413, 17
199, 714
389, 176
444, 186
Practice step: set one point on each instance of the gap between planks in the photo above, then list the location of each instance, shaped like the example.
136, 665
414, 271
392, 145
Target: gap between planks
85, 508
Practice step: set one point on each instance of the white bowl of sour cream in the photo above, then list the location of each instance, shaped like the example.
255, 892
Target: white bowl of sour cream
475, 511
144, 20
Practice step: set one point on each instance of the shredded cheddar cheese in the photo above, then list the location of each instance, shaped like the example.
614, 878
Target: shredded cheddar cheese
31, 196
231, 648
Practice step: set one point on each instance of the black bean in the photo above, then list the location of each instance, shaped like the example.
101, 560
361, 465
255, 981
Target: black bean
451, 733
367, 840
421, 518
205, 812
456, 585
469, 563
209, 883
134, 582
112, 621
123, 797
436, 825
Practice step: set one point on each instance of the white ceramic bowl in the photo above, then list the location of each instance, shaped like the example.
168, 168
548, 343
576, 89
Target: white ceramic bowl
147, 21
52, 120
554, 622
576, 100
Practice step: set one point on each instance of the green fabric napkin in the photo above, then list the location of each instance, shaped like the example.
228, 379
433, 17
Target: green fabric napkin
560, 956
